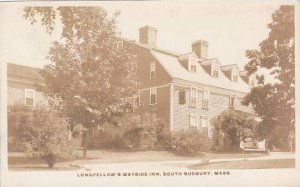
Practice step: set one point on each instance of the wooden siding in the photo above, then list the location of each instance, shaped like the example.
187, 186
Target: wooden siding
218, 103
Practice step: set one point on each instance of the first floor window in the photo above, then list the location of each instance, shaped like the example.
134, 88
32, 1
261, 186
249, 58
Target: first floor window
153, 96
137, 99
29, 97
120, 45
193, 122
203, 124
231, 101
193, 97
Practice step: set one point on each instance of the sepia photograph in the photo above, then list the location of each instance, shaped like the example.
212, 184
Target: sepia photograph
143, 89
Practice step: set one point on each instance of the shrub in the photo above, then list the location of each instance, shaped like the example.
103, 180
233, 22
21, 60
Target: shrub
187, 142
41, 133
230, 128
145, 132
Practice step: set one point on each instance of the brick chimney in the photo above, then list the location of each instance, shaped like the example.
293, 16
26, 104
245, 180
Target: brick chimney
200, 47
148, 35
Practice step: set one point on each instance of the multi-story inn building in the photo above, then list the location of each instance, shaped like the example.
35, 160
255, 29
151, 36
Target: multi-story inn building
183, 90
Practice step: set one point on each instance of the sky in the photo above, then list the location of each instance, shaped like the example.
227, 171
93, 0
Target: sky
230, 29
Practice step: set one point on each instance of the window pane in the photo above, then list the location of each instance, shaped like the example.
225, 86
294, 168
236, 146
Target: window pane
29, 101
204, 122
193, 120
29, 94
181, 97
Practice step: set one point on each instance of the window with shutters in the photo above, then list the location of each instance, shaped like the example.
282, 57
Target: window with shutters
29, 97
181, 97
206, 99
153, 96
193, 97
231, 101
152, 70
193, 122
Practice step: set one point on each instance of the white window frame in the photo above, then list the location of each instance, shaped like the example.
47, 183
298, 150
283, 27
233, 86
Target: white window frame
138, 95
231, 104
200, 120
206, 96
193, 65
152, 69
215, 67
196, 122
193, 97
120, 44
153, 90
33, 96
235, 73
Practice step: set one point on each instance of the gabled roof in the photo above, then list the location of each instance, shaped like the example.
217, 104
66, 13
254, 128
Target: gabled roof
25, 72
210, 61
229, 67
174, 68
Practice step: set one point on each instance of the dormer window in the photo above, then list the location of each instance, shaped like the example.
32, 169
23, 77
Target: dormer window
193, 68
152, 70
235, 75
215, 69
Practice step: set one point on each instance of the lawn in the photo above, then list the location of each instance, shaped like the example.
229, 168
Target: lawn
248, 164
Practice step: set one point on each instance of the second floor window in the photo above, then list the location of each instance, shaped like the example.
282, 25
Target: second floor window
206, 99
29, 97
152, 70
193, 97
181, 97
153, 96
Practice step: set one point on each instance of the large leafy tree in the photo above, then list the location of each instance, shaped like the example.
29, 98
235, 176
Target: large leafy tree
275, 102
89, 79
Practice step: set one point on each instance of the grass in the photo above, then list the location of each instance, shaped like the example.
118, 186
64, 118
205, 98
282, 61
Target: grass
248, 164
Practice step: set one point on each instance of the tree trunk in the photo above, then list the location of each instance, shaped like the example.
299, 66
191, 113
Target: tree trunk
85, 143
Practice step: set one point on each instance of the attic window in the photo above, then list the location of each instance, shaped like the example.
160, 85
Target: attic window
235, 74
193, 68
215, 70
152, 70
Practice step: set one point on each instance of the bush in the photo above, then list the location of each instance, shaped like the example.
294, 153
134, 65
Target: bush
189, 143
40, 133
230, 128
145, 132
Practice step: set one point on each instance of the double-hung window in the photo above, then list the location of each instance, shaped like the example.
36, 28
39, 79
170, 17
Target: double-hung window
152, 70
29, 97
206, 99
235, 75
193, 122
153, 96
215, 70
181, 97
193, 97
231, 101
203, 124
